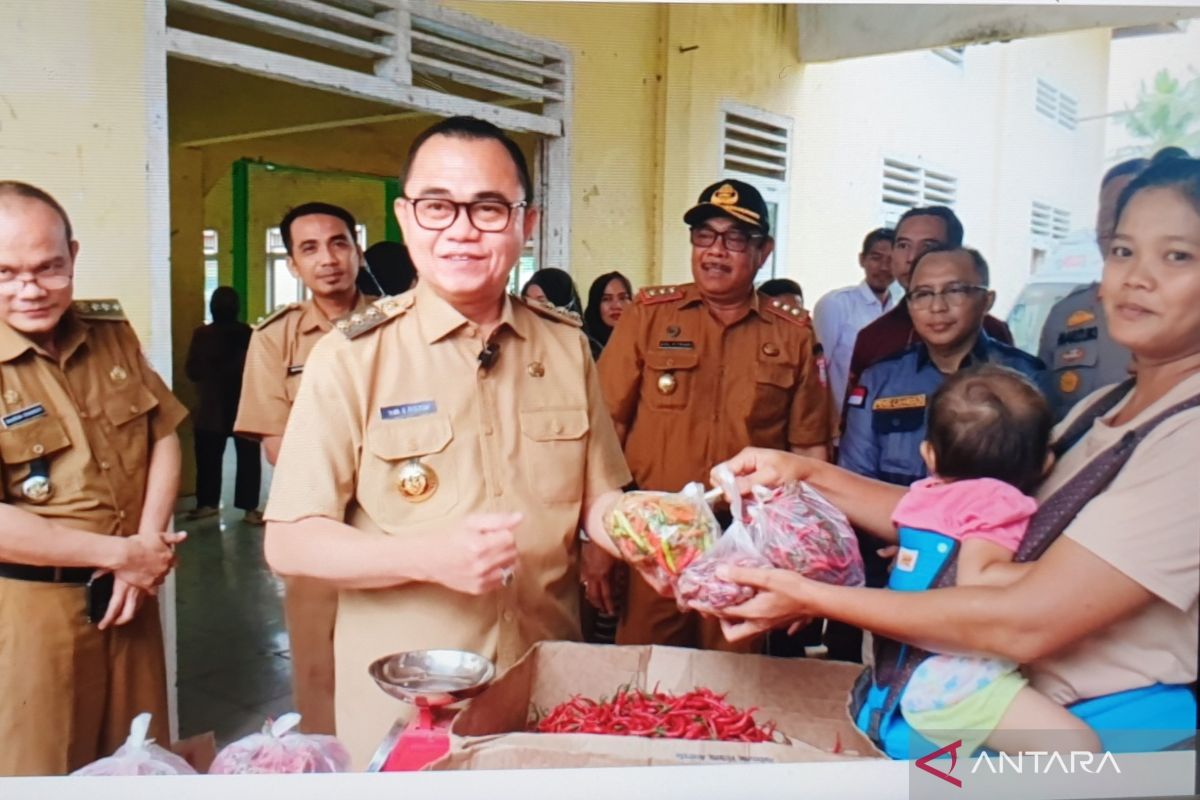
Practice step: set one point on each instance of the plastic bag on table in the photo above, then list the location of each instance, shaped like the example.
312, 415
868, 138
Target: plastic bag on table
798, 529
138, 756
279, 751
661, 533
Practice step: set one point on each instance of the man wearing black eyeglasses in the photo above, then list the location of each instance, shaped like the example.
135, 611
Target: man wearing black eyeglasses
447, 443
948, 298
694, 373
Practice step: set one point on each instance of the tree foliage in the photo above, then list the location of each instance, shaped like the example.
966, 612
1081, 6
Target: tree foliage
1167, 112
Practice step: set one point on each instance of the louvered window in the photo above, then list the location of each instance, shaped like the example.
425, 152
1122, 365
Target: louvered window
756, 148
1056, 105
908, 184
1049, 222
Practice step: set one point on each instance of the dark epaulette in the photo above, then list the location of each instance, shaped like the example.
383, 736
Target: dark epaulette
551, 311
102, 310
357, 323
649, 295
278, 313
789, 311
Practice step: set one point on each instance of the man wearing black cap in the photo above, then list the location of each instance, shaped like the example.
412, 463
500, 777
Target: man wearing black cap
694, 373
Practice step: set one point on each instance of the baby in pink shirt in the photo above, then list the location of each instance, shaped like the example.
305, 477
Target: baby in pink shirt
987, 444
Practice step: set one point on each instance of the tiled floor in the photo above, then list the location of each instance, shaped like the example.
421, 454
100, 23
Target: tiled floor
234, 665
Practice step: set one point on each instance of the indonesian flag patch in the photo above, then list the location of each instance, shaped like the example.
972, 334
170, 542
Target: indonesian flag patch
857, 397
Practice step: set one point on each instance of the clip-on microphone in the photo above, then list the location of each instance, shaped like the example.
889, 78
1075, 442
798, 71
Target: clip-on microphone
488, 355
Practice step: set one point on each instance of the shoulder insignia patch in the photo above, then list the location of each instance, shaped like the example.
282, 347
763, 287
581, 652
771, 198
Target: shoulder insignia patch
792, 313
1080, 317
359, 322
551, 311
106, 310
278, 313
650, 295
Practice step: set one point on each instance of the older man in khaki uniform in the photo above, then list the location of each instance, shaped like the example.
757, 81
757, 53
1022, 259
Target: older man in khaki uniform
445, 450
323, 253
89, 466
694, 373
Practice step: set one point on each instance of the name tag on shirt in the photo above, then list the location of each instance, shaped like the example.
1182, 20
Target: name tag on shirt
1078, 336
898, 403
24, 415
296, 370
669, 345
409, 410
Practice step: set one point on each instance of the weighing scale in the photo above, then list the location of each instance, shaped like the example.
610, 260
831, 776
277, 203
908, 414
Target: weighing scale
432, 681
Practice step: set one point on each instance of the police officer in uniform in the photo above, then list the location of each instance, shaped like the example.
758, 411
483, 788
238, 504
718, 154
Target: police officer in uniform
447, 443
948, 298
324, 254
89, 464
694, 373
1080, 356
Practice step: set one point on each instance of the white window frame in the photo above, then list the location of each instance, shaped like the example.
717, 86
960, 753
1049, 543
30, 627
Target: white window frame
775, 191
212, 268
928, 184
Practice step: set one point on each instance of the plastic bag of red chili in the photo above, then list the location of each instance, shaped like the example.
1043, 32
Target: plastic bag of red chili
698, 586
662, 532
798, 529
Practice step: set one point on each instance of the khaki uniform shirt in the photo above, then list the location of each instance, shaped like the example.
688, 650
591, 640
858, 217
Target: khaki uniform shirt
1145, 525
278, 352
693, 391
530, 434
93, 415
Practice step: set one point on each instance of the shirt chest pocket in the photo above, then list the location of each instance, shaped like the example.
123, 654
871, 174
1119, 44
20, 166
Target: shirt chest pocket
554, 452
774, 386
410, 470
899, 433
44, 438
127, 422
668, 378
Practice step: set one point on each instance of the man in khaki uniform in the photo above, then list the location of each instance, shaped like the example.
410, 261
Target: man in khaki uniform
694, 373
447, 446
89, 465
324, 254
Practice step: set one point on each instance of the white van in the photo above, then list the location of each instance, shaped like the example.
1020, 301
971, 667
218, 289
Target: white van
1072, 262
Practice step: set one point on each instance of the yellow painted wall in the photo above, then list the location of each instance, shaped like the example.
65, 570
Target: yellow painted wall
649, 83
705, 67
76, 119
614, 127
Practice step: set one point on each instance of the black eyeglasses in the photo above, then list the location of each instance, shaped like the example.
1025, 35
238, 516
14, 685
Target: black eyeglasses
438, 214
955, 296
734, 239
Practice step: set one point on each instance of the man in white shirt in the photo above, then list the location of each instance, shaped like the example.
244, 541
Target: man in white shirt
842, 313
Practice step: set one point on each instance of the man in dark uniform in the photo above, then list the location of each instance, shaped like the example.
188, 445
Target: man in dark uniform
919, 231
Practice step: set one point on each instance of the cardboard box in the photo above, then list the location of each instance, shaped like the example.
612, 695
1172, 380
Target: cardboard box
807, 699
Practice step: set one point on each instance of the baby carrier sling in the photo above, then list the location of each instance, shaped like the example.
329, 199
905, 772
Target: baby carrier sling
876, 694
